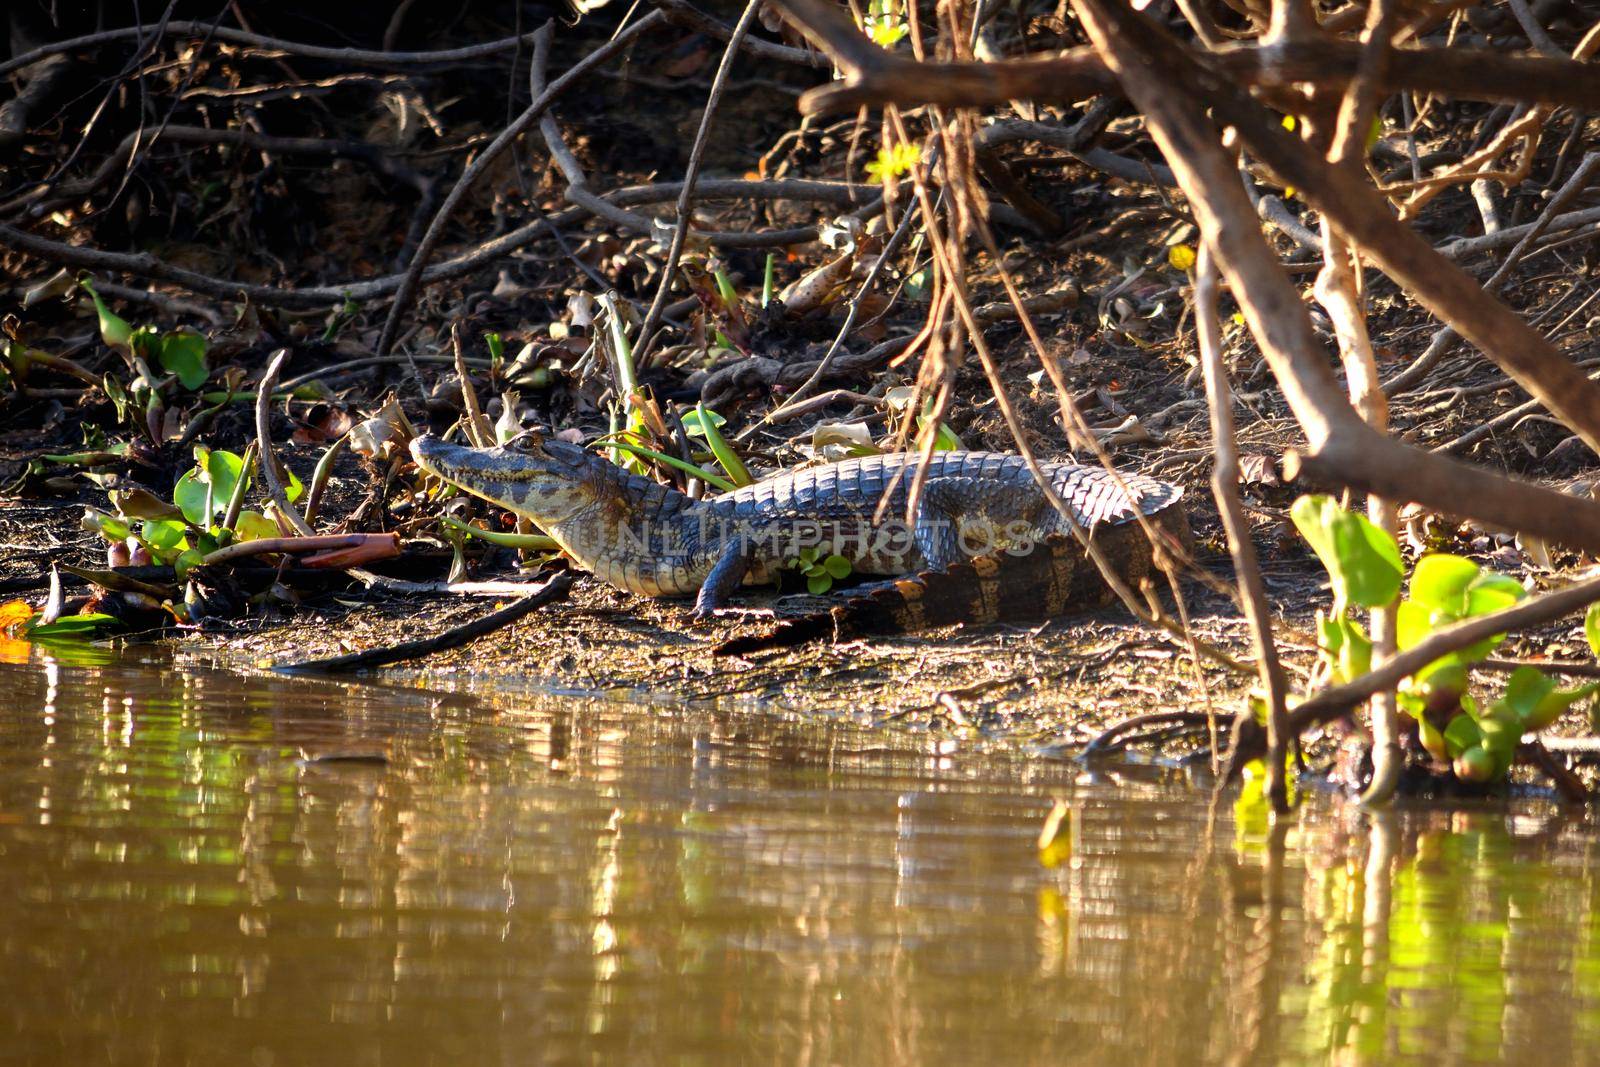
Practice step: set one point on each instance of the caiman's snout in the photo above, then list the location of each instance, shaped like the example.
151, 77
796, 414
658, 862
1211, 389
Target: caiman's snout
454, 463
539, 480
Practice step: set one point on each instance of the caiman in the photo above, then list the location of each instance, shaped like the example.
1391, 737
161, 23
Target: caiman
980, 516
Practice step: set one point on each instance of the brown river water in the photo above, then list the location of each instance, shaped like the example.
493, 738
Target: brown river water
204, 867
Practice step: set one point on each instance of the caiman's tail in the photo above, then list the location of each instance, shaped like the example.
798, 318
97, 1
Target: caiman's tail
1055, 578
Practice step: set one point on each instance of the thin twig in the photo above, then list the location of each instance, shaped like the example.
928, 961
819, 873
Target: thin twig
474, 170
479, 432
552, 590
145, 265
1536, 33
1338, 289
351, 56
389, 542
1571, 668
697, 151
687, 15
1569, 785
1102, 742
1446, 335
270, 471
1225, 489
371, 154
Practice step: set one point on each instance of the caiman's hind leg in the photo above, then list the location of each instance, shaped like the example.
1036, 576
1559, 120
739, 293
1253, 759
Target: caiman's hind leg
960, 518
727, 574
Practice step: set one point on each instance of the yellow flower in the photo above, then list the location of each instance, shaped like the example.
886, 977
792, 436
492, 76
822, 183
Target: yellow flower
894, 161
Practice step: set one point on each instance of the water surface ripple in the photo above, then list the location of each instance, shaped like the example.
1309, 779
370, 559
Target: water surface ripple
199, 867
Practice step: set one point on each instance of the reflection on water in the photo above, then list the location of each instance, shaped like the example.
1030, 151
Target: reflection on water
189, 875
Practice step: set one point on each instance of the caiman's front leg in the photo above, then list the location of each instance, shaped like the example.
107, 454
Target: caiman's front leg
964, 517
727, 574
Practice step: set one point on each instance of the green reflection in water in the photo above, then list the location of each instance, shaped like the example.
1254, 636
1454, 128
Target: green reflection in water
1453, 940
531, 877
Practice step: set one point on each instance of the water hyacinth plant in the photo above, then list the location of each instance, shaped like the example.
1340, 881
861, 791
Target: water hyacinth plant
1476, 736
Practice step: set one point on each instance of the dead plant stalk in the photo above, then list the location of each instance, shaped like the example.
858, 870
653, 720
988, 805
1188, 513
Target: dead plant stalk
1225, 488
1338, 290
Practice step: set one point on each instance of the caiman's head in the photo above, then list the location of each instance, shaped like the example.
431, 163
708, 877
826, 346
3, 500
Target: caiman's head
540, 479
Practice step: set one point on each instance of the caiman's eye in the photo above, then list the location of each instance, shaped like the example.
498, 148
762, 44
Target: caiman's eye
526, 441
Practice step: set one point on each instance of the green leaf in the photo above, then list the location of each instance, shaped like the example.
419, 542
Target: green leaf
725, 289
293, 488
1442, 680
1413, 623
73, 623
253, 526
164, 535
1493, 592
917, 285
1363, 562
1500, 739
819, 585
1439, 582
1476, 764
187, 560
1458, 588
183, 352
137, 503
1432, 739
111, 527
1446, 589
1462, 733
837, 566
944, 439
1591, 627
114, 330
695, 422
1553, 706
119, 396
886, 30
1525, 689
223, 470
71, 627
1532, 700
1347, 646
145, 341
192, 497
727, 458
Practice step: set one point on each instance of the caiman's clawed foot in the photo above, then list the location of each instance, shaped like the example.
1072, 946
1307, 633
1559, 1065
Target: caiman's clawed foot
725, 577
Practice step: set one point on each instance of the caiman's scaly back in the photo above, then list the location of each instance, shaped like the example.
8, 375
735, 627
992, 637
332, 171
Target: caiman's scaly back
655, 541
